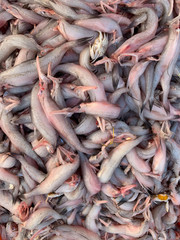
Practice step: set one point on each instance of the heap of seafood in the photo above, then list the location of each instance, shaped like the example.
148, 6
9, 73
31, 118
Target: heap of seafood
89, 119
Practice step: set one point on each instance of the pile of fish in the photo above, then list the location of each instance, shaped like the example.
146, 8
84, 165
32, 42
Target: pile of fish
89, 119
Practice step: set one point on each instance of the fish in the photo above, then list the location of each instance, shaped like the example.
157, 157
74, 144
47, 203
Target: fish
89, 119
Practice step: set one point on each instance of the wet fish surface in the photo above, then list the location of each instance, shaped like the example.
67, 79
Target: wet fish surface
89, 119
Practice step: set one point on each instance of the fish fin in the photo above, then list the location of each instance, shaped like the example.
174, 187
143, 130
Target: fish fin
83, 41
143, 106
131, 25
151, 103
68, 111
